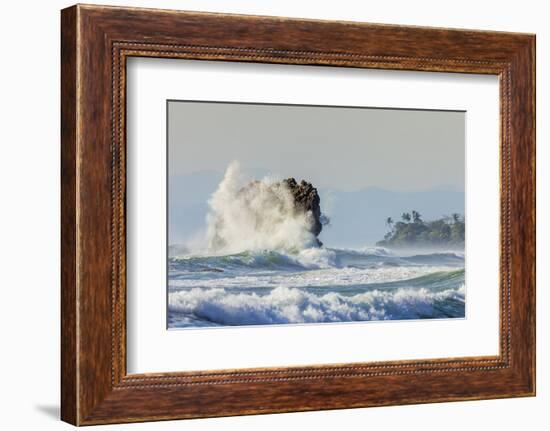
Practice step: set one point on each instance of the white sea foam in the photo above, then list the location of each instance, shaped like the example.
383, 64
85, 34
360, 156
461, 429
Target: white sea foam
316, 257
262, 217
325, 277
290, 305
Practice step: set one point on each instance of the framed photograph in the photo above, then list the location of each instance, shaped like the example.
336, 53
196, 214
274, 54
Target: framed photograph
266, 215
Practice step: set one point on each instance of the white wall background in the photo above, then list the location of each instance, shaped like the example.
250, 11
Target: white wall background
29, 216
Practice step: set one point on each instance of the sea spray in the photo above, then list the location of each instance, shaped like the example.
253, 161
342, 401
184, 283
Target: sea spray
259, 216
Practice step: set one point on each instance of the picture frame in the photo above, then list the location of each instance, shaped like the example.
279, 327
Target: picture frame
96, 42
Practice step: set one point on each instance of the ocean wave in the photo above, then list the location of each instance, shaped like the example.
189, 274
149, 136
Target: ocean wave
448, 258
291, 305
308, 259
369, 251
314, 285
323, 278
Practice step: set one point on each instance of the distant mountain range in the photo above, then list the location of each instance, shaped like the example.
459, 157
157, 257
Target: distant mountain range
356, 218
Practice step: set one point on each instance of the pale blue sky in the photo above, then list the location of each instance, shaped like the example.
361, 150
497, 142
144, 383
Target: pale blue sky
368, 164
340, 148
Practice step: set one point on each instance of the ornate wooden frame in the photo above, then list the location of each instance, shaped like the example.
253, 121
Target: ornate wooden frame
95, 43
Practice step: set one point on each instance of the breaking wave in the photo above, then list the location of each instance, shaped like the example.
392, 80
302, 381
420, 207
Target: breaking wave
309, 258
254, 218
313, 286
219, 306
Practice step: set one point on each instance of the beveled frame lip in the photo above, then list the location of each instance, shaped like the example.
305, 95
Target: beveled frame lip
96, 40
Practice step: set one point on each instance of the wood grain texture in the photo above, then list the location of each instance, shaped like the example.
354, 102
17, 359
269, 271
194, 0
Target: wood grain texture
96, 41
69, 367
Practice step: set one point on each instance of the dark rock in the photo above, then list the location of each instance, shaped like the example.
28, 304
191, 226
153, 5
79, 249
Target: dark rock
306, 199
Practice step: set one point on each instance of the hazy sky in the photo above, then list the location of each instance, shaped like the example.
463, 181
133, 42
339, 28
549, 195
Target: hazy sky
339, 148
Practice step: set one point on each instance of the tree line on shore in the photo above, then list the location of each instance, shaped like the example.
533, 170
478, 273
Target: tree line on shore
412, 231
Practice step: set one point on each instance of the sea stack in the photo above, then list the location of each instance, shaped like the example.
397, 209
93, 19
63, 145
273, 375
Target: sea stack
306, 199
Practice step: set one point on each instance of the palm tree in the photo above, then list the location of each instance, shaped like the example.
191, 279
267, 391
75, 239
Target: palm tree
406, 217
389, 221
456, 217
416, 216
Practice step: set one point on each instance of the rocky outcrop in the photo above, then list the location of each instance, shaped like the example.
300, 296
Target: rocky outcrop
306, 199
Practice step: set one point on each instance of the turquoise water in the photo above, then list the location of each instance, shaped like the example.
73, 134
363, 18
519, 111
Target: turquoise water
316, 285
